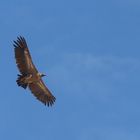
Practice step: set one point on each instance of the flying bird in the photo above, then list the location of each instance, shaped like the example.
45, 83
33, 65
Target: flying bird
29, 75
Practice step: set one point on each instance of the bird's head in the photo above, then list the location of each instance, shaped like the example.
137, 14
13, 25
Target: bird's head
42, 74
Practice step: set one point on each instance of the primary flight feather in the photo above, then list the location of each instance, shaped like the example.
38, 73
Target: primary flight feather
29, 75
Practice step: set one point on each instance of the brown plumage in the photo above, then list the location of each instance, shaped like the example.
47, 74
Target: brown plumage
30, 77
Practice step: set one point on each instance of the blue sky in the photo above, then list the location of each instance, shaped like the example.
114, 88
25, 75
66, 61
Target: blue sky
90, 52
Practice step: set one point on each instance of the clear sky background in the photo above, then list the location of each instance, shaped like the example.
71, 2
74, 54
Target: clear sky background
90, 51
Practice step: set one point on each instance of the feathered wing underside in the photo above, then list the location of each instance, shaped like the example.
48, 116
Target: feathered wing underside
42, 93
23, 57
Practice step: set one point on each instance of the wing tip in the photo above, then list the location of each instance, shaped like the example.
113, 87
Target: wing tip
20, 42
50, 101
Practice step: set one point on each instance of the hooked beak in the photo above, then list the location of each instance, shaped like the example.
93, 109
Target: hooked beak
43, 75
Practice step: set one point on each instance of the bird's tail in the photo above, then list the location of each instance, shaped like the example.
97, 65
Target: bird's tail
20, 81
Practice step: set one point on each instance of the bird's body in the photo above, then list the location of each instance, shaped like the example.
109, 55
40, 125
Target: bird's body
29, 76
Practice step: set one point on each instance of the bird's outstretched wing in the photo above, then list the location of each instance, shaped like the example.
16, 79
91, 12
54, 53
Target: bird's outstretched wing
42, 93
23, 57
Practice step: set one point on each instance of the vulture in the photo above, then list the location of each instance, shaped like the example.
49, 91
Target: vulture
29, 75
